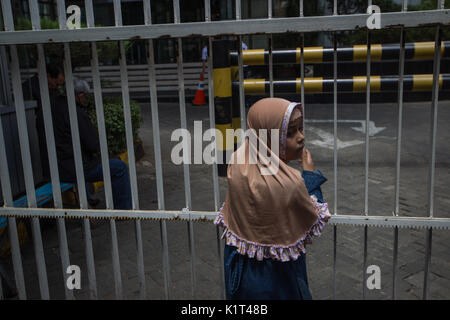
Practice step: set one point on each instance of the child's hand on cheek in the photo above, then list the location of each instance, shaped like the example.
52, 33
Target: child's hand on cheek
306, 161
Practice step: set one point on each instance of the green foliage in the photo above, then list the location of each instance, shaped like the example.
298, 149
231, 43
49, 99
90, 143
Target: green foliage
114, 121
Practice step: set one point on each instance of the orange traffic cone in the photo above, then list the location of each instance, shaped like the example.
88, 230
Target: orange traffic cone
199, 98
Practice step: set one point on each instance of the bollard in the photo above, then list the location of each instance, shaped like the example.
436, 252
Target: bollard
222, 98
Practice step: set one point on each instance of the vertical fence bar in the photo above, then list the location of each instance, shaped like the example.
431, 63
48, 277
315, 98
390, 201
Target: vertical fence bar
147, 12
335, 163
104, 150
302, 78
400, 115
12, 226
79, 170
334, 260
8, 19
429, 237
105, 166
187, 182
335, 155
130, 147
7, 92
176, 11
50, 140
398, 154
28, 171
271, 64
208, 10
100, 113
269, 15
5, 178
335, 111
53, 164
394, 264
131, 159
61, 11
77, 154
238, 9
212, 123
366, 179
434, 113
365, 262
34, 13
334, 158
241, 90
89, 13
302, 69
5, 85
241, 75
117, 13
157, 150
215, 169
1, 287
159, 176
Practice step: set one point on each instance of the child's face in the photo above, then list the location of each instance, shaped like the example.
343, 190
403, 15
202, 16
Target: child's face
295, 141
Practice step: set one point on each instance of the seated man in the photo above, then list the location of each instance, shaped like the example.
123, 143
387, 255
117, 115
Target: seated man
90, 147
31, 91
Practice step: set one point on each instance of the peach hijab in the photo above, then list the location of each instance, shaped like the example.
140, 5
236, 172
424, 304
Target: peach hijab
268, 216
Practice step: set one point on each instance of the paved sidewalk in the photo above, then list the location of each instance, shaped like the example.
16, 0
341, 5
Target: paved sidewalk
350, 191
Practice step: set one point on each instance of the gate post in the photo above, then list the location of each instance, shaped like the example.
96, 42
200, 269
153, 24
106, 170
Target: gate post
235, 100
222, 98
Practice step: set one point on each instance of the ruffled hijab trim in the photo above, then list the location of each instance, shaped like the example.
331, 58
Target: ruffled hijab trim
276, 252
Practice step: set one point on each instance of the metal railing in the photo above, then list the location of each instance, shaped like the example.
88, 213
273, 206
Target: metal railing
301, 25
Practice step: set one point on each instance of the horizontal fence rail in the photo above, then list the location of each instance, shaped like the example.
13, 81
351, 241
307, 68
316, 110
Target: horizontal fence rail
238, 27
208, 216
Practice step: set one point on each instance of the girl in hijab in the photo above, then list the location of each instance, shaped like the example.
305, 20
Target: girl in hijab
269, 218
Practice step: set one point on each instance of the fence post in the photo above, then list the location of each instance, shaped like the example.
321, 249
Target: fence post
222, 98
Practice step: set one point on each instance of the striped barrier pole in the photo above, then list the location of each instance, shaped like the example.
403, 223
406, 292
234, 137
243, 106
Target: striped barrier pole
414, 83
357, 53
222, 80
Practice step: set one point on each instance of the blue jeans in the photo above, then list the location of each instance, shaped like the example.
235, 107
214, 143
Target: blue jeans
249, 279
120, 182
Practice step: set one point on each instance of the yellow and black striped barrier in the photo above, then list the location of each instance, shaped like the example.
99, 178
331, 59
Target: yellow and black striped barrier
357, 53
222, 97
417, 82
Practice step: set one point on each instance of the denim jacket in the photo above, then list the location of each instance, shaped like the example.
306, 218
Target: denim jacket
313, 181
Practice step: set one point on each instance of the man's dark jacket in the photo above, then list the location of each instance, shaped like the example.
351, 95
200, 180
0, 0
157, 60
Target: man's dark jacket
63, 137
89, 141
